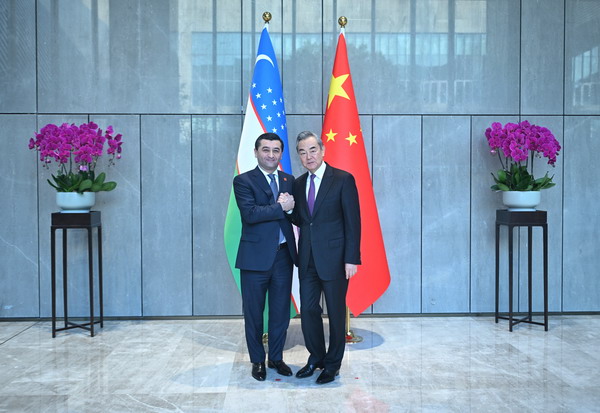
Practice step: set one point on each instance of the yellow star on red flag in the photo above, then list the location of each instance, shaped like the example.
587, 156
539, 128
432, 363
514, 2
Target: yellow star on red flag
351, 138
331, 135
336, 89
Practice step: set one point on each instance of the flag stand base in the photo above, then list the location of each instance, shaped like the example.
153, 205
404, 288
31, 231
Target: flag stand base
350, 336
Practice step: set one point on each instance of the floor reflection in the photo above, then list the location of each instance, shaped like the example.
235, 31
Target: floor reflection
415, 364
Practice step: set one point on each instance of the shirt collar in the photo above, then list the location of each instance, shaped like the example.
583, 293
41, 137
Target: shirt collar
319, 172
266, 174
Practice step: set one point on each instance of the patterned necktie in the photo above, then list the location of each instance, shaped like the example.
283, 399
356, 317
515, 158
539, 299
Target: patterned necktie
274, 188
311, 194
275, 191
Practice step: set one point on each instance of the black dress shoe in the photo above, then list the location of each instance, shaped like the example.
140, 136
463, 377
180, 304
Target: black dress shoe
327, 376
308, 370
281, 367
259, 372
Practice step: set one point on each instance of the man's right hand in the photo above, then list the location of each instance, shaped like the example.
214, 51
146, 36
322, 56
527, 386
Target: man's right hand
287, 201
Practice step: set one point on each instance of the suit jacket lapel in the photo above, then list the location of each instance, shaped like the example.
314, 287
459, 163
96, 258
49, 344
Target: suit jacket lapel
284, 185
301, 201
260, 180
323, 188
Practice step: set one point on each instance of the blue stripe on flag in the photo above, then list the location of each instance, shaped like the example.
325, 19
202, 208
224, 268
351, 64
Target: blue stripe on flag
267, 95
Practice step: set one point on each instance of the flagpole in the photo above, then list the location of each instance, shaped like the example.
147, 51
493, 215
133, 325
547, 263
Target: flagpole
266, 16
350, 336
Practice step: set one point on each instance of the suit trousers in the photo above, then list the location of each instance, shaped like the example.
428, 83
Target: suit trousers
311, 286
277, 281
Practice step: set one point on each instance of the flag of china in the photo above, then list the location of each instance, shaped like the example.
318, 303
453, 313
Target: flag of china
342, 136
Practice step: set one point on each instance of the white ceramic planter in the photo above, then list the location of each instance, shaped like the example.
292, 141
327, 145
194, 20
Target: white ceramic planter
521, 200
73, 202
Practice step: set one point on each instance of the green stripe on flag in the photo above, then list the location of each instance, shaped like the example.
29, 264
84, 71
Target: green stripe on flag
231, 236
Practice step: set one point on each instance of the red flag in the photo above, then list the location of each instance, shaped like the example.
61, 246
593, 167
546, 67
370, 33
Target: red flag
342, 136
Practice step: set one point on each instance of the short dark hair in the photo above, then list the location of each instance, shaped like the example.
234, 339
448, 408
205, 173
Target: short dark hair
308, 134
268, 137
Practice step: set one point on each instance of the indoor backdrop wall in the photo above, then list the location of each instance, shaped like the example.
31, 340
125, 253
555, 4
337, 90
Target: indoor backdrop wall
173, 77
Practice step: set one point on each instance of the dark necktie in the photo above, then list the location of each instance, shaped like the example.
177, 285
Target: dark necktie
311, 194
275, 191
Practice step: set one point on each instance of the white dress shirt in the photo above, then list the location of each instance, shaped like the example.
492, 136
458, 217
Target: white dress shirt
318, 178
266, 174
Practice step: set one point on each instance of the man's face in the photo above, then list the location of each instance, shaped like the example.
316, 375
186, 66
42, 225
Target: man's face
268, 154
311, 154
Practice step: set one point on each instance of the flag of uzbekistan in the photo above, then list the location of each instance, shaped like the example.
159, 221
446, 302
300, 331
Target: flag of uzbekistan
265, 112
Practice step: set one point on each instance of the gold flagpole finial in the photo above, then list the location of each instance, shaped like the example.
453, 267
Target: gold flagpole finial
343, 21
266, 17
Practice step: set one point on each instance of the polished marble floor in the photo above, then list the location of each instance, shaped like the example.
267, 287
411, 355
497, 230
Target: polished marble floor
406, 364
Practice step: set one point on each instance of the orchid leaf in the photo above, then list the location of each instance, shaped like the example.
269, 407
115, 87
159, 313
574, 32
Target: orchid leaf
100, 179
85, 185
54, 186
109, 186
501, 175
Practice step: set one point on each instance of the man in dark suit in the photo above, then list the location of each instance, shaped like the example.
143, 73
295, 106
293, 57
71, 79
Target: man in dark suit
266, 254
328, 214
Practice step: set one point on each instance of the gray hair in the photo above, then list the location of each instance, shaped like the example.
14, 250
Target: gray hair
308, 134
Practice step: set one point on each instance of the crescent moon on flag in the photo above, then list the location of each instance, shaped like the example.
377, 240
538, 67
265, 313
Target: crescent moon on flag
264, 57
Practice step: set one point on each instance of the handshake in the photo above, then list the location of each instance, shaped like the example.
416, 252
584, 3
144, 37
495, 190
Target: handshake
287, 201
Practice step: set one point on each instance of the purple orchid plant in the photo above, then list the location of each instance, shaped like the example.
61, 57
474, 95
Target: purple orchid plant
76, 149
516, 146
